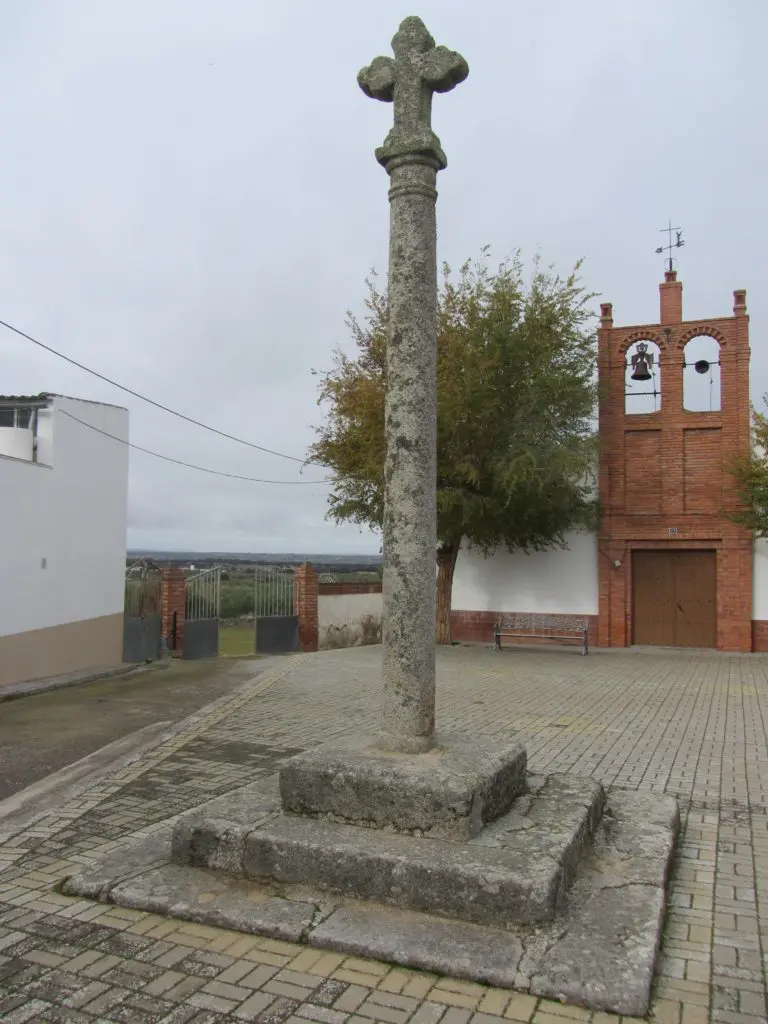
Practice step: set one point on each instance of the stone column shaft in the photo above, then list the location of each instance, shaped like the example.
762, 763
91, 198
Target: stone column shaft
410, 538
412, 156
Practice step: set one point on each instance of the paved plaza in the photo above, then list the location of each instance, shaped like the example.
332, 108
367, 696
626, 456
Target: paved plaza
693, 725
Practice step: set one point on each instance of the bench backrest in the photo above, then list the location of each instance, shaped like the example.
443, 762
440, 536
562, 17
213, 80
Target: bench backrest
532, 620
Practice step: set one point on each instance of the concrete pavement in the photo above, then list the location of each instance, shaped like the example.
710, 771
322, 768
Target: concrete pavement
44, 732
693, 725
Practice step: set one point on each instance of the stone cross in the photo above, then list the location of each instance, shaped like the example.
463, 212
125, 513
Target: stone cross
412, 156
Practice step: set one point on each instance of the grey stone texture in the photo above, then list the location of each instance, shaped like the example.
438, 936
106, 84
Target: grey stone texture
419, 69
214, 835
518, 881
450, 792
456, 948
412, 156
97, 880
219, 900
599, 951
517, 869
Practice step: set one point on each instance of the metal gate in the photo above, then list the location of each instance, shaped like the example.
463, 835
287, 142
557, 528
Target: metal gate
201, 614
142, 615
276, 621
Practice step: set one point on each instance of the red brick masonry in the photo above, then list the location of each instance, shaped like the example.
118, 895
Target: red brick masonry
336, 589
760, 636
664, 476
173, 600
305, 599
479, 627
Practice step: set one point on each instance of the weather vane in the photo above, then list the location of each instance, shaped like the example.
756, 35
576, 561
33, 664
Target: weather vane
677, 244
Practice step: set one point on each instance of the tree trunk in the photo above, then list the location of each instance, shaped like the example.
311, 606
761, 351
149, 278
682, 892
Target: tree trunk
446, 563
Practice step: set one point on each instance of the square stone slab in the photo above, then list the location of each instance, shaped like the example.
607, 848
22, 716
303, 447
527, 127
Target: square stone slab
450, 792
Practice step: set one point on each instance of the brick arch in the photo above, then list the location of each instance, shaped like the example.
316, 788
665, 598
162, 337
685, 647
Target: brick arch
703, 331
636, 336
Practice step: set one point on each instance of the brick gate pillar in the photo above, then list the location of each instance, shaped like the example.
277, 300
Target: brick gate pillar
305, 597
174, 594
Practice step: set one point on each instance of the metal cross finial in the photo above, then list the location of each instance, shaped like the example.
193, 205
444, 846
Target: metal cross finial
677, 244
419, 69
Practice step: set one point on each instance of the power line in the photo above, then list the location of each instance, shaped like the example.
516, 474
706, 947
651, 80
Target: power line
189, 465
151, 401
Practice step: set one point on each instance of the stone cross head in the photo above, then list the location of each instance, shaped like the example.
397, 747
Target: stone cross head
419, 69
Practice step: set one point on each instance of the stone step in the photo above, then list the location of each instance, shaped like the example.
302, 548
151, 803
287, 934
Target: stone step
598, 952
516, 870
450, 792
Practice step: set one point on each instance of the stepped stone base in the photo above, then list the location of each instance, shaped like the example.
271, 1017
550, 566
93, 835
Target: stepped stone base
450, 792
516, 870
598, 951
455, 861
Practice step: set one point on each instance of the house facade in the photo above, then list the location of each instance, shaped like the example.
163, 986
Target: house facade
667, 567
64, 490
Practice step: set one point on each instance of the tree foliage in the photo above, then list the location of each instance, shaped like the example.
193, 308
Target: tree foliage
751, 475
516, 401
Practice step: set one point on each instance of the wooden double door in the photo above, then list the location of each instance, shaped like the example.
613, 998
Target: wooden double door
674, 598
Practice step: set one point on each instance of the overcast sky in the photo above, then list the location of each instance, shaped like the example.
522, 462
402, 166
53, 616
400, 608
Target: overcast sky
191, 202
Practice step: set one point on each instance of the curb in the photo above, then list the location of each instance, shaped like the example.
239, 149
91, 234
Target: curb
70, 781
18, 690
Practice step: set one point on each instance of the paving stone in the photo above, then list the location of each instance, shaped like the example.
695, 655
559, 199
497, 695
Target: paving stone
328, 992
207, 1001
255, 977
256, 1005
62, 1015
454, 1015
10, 1003
626, 714
278, 1011
182, 989
322, 1014
429, 1013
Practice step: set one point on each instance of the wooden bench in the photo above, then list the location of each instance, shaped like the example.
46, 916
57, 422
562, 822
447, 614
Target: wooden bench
560, 628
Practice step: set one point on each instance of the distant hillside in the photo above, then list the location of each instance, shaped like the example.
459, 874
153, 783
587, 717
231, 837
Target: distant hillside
323, 563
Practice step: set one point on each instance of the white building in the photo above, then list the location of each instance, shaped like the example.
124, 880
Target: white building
64, 492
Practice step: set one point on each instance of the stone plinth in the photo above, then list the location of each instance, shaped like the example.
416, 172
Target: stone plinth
484, 897
451, 792
517, 872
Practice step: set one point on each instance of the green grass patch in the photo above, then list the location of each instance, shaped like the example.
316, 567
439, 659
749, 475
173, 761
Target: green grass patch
237, 641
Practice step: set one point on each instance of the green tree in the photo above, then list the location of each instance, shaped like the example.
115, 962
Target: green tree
750, 472
516, 402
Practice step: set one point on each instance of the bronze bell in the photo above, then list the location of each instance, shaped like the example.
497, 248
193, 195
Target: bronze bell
642, 361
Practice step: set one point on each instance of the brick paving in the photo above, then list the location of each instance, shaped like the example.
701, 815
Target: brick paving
689, 724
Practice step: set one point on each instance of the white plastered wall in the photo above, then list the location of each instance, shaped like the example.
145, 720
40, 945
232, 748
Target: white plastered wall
347, 620
63, 521
561, 581
760, 580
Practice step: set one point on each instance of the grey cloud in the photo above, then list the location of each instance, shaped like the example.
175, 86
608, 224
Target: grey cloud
191, 203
